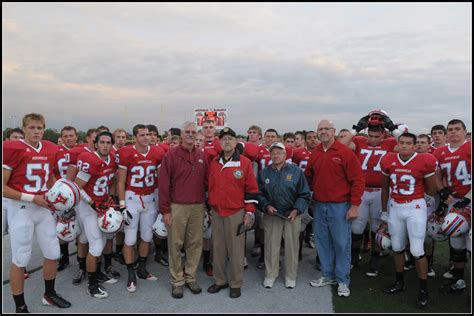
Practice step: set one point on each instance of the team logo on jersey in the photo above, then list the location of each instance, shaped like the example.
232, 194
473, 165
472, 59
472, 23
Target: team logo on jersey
289, 177
28, 150
337, 159
238, 174
200, 161
267, 181
23, 207
417, 206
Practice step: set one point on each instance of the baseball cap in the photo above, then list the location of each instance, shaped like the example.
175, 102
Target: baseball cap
228, 131
277, 145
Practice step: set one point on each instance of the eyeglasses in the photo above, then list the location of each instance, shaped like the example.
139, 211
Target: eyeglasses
190, 132
208, 127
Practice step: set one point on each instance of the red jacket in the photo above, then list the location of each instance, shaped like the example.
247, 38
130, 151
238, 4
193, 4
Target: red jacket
183, 178
232, 186
335, 175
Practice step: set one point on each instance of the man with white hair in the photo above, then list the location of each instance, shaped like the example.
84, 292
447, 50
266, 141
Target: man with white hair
182, 183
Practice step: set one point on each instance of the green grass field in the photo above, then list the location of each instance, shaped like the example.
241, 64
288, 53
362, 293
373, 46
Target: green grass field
367, 296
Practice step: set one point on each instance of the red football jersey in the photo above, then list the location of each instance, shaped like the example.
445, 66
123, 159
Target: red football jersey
407, 177
62, 162
73, 154
370, 158
301, 157
31, 167
212, 149
98, 173
250, 151
141, 168
456, 167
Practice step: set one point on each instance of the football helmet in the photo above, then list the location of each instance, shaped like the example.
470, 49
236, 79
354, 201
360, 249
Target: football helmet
159, 227
433, 228
110, 221
376, 117
402, 127
67, 230
382, 237
457, 222
63, 195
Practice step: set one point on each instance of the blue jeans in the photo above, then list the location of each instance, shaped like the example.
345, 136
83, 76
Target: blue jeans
333, 240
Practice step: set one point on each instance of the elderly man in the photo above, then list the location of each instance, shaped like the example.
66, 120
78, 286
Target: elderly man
182, 183
285, 196
232, 193
335, 175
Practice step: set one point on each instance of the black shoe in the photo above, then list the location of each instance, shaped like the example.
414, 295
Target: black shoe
300, 256
422, 298
22, 309
63, 263
104, 278
55, 299
216, 288
80, 276
96, 290
132, 281
111, 273
234, 292
397, 287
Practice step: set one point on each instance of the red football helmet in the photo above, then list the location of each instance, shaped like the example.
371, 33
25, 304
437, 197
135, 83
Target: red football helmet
376, 117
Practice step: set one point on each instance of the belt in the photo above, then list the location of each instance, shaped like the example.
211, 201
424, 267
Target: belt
372, 189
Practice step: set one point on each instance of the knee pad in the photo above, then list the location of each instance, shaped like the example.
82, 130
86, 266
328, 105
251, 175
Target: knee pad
96, 247
459, 255
83, 238
22, 256
419, 257
130, 236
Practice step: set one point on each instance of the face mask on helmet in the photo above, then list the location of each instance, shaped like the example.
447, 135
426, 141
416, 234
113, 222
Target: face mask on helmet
67, 230
433, 228
159, 227
111, 221
382, 237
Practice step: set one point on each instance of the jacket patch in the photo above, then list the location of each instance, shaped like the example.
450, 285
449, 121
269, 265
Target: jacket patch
289, 177
238, 174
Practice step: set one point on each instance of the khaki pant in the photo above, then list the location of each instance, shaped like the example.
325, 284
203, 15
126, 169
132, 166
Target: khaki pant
185, 229
275, 228
227, 245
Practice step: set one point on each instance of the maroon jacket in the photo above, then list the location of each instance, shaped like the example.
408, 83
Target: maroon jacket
183, 178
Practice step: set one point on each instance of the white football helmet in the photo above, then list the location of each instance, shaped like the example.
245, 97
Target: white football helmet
159, 227
433, 228
110, 221
457, 222
207, 221
63, 195
383, 237
67, 230
305, 220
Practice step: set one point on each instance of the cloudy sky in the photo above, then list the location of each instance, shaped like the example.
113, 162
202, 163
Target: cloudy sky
284, 66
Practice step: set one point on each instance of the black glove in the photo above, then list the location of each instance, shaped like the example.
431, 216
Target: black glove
114, 198
444, 194
388, 124
441, 210
100, 208
363, 123
127, 217
462, 203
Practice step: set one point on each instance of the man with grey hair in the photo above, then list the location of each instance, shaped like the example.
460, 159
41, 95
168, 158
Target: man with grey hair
335, 176
182, 183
